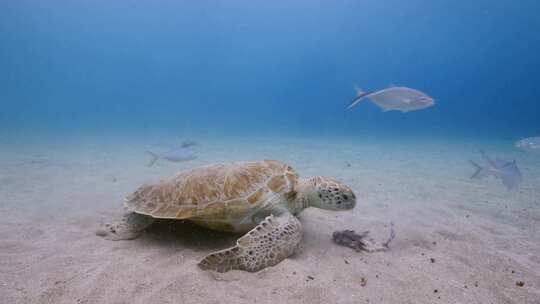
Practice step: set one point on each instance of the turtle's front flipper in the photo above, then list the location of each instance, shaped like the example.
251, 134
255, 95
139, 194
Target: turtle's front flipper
273, 240
128, 227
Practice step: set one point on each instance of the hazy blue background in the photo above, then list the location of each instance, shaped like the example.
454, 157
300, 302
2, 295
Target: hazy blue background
267, 66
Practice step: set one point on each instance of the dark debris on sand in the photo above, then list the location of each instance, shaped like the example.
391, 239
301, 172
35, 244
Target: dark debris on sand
361, 242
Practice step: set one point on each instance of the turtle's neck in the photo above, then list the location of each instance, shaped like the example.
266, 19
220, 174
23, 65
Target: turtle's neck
304, 196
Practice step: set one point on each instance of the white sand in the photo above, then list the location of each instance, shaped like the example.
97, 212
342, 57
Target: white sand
482, 238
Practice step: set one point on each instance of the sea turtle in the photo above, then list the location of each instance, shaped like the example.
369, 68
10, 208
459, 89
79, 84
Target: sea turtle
261, 198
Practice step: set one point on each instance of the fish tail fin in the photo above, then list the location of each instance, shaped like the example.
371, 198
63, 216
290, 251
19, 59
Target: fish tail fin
480, 171
359, 96
155, 157
486, 157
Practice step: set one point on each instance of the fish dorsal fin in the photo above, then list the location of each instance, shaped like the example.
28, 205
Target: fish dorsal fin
358, 90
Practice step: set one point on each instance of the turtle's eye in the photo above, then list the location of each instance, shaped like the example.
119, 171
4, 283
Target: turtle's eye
349, 199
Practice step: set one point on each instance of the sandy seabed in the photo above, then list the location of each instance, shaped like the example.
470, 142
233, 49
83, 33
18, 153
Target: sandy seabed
458, 240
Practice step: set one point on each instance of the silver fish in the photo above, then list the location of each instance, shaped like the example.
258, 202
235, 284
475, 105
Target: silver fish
529, 144
395, 98
508, 172
174, 155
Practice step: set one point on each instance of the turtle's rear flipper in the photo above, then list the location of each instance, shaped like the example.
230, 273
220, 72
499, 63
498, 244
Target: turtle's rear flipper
273, 240
130, 226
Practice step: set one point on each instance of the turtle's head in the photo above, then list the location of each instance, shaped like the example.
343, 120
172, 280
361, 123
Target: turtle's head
326, 193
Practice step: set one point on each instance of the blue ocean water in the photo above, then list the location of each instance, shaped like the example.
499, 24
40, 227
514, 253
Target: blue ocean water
89, 87
283, 67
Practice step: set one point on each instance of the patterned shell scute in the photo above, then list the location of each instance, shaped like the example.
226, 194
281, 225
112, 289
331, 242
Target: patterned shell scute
215, 191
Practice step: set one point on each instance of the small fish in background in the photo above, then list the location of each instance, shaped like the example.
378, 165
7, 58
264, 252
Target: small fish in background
395, 98
180, 154
507, 171
529, 144
189, 143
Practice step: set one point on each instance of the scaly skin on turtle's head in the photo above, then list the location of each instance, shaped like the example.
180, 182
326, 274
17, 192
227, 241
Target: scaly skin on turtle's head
325, 193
